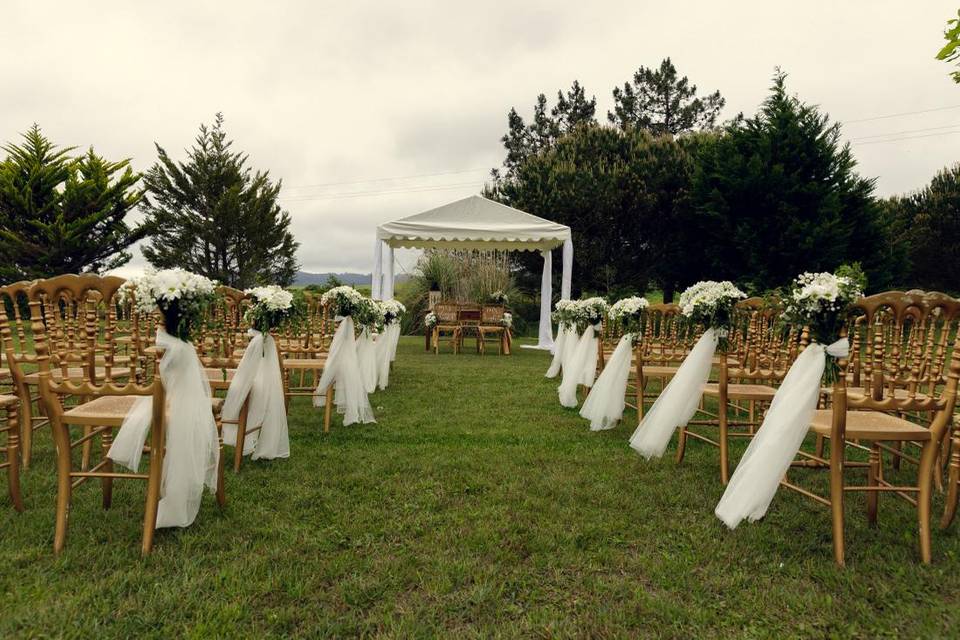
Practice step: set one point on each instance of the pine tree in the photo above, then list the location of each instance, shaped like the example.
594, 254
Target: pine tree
779, 195
522, 140
214, 216
63, 214
658, 101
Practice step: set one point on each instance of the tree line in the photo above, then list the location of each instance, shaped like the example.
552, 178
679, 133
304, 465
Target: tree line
211, 214
661, 196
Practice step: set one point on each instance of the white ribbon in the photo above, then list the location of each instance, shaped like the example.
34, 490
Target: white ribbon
367, 356
605, 403
563, 334
382, 348
342, 370
258, 378
394, 339
192, 451
771, 451
678, 401
580, 368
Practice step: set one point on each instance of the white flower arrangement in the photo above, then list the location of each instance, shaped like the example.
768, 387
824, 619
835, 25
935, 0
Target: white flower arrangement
590, 311
561, 315
499, 297
710, 303
180, 296
430, 320
819, 300
507, 320
393, 310
272, 307
628, 313
342, 301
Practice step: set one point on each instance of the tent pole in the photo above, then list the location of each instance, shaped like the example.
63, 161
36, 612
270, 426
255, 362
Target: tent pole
545, 340
376, 277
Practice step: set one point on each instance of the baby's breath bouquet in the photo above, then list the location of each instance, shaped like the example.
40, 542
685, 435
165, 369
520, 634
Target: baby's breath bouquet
181, 297
628, 314
272, 307
368, 314
393, 310
589, 311
498, 297
507, 320
562, 314
430, 320
710, 303
342, 301
820, 301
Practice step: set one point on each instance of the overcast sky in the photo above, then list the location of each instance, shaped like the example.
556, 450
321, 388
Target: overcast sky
371, 111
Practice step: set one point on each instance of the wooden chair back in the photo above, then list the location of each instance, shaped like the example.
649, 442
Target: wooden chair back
447, 313
492, 314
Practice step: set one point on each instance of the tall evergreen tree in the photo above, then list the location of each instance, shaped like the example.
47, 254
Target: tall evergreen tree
657, 100
928, 224
779, 195
523, 140
624, 193
63, 214
214, 216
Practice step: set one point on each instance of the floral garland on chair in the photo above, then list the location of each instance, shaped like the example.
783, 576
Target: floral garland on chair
180, 296
629, 314
710, 303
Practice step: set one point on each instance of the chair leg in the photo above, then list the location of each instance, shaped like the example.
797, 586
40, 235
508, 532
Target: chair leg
925, 481
836, 500
873, 480
26, 426
241, 436
64, 465
85, 449
953, 483
153, 499
221, 463
13, 457
681, 443
724, 445
328, 410
106, 484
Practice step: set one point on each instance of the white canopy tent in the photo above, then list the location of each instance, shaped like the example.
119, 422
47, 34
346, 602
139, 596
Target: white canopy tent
482, 224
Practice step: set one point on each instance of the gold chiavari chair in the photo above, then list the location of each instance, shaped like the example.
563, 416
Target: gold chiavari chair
88, 300
17, 345
221, 348
665, 343
11, 450
491, 325
303, 351
758, 357
890, 409
448, 321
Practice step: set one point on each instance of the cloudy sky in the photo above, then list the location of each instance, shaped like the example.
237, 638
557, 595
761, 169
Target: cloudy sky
371, 111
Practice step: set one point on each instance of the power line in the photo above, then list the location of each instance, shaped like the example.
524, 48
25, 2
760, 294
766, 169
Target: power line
900, 133
364, 194
929, 135
898, 115
408, 177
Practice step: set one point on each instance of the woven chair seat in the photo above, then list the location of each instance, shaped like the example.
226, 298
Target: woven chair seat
110, 411
742, 391
304, 363
870, 425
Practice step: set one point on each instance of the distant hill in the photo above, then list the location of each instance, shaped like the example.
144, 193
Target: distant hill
303, 278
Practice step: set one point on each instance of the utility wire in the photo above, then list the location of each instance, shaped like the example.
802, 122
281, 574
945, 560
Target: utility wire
363, 194
898, 115
900, 133
409, 177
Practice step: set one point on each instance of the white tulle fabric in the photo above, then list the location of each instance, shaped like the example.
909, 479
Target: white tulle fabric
342, 371
367, 356
192, 454
563, 334
771, 451
384, 347
605, 403
258, 377
678, 401
394, 331
579, 368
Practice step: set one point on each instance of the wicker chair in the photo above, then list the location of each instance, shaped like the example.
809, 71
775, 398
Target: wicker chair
448, 322
491, 326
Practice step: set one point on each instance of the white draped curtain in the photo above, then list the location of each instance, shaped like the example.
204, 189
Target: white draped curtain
382, 282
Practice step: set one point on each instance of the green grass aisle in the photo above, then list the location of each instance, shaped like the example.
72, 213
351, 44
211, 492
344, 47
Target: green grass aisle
476, 507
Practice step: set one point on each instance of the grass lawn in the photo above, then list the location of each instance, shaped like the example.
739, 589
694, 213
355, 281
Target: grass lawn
476, 507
